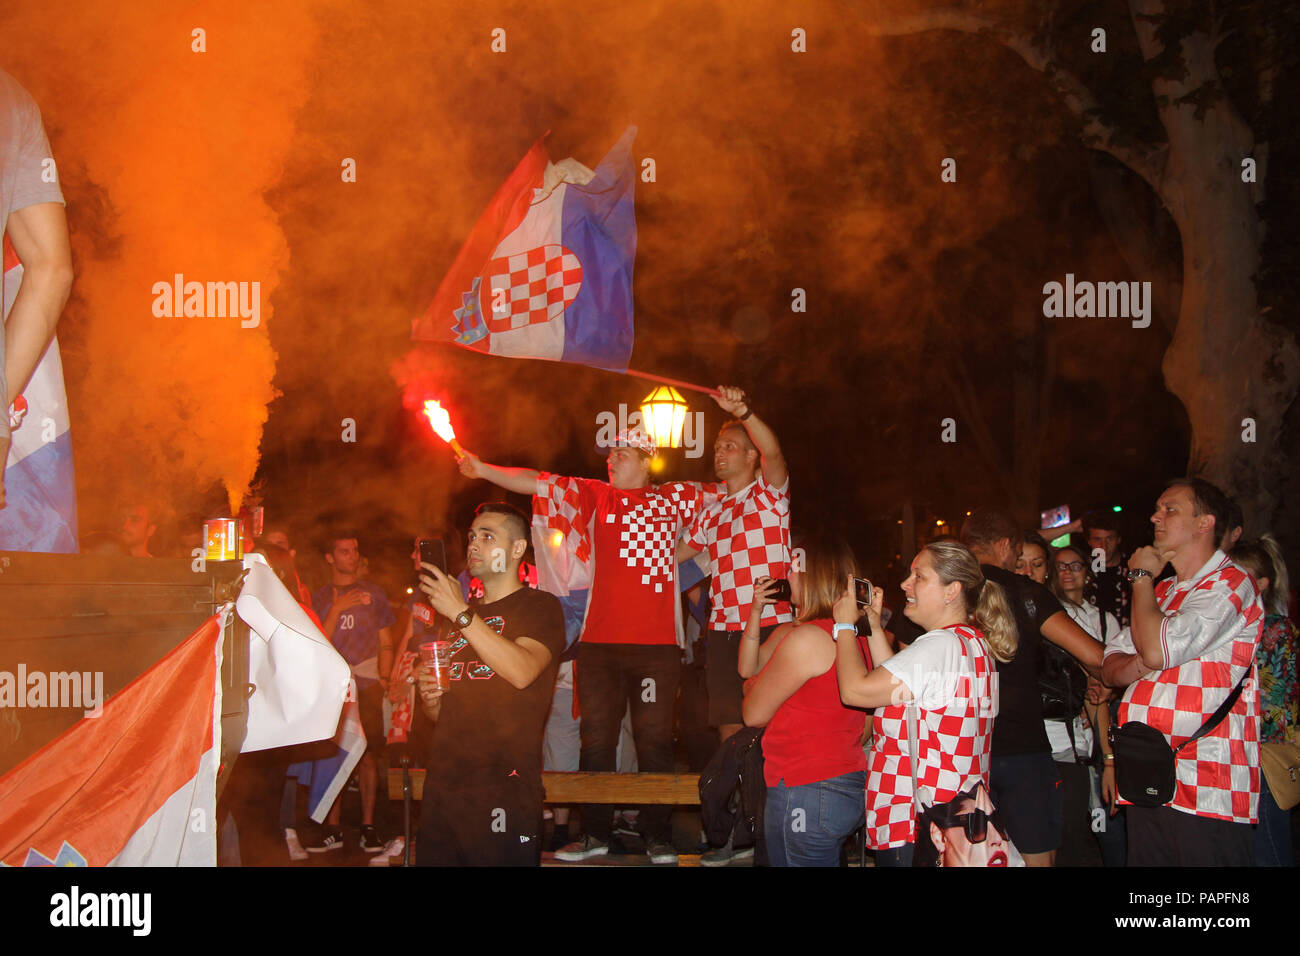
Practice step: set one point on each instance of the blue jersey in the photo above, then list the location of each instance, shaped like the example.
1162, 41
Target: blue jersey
357, 635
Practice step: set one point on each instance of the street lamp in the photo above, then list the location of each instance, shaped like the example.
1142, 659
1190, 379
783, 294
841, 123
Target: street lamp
663, 415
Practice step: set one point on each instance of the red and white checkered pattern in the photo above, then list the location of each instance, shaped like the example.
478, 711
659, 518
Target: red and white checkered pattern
747, 536
647, 522
1216, 615
648, 539
538, 283
954, 744
559, 502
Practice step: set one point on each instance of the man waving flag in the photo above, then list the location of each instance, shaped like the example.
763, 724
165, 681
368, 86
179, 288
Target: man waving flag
547, 270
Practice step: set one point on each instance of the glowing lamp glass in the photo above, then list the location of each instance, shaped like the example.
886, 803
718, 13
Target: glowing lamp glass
663, 415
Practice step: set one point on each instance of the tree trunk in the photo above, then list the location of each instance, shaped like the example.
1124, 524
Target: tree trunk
1226, 362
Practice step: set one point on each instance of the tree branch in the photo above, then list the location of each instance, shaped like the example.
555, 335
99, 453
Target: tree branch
1147, 160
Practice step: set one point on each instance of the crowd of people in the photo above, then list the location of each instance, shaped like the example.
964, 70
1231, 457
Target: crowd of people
977, 727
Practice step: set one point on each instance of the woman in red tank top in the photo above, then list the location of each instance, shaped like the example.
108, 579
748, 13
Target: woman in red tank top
814, 764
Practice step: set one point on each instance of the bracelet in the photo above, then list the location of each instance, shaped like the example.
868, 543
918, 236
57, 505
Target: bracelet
748, 411
1109, 758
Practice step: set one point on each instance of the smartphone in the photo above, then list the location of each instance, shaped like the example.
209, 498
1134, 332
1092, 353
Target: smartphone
432, 551
864, 592
781, 590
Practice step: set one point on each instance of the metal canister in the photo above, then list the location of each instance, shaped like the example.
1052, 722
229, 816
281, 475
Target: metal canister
224, 538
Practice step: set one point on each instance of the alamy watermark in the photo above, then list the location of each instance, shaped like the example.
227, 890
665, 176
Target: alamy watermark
218, 300
1086, 300
60, 689
609, 425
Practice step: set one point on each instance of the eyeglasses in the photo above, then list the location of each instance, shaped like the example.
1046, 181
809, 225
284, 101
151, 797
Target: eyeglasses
1075, 566
976, 824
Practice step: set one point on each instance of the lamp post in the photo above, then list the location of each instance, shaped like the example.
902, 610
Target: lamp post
663, 415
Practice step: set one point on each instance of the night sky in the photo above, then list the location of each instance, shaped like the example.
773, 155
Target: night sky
775, 170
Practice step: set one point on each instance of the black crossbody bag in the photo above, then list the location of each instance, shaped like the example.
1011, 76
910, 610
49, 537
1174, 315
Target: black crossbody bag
1144, 761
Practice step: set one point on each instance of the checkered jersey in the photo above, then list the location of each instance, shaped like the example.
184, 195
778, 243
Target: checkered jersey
634, 534
1212, 625
953, 679
747, 536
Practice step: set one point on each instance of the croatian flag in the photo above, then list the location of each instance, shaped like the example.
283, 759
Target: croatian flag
41, 514
547, 271
134, 786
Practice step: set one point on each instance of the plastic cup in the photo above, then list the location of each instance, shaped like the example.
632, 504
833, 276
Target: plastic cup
435, 656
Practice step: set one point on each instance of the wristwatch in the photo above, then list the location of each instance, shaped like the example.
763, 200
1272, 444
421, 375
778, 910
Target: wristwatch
1138, 573
835, 630
463, 619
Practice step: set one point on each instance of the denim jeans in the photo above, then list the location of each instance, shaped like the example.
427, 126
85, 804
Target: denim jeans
610, 677
1273, 833
807, 825
898, 856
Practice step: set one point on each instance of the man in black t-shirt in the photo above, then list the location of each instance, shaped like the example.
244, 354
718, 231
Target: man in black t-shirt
483, 790
1023, 780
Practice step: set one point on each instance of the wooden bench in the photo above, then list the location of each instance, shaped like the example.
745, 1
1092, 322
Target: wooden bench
624, 789
564, 789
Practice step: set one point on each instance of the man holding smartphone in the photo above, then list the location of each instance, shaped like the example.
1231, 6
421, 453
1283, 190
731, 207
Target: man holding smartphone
483, 793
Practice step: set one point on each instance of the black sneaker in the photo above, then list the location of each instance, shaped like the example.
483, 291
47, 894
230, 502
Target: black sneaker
328, 838
370, 841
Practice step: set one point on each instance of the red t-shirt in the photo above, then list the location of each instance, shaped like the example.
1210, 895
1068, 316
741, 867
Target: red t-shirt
813, 736
634, 549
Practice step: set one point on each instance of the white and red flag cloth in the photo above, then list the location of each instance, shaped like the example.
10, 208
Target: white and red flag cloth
301, 681
304, 687
546, 272
135, 786
40, 486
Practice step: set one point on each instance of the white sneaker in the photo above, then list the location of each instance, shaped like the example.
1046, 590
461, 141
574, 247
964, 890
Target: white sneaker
391, 855
582, 849
296, 852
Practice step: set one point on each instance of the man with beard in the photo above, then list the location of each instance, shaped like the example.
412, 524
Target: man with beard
483, 793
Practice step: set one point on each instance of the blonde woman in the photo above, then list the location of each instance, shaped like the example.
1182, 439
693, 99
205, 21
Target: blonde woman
947, 678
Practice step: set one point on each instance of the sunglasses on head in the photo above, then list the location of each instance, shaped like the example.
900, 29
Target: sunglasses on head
976, 824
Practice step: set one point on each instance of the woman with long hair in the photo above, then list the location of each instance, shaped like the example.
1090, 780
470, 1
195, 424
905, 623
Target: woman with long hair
1035, 558
943, 685
1275, 655
813, 762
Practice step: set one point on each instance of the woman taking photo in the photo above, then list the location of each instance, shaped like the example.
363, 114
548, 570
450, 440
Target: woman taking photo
945, 678
813, 763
